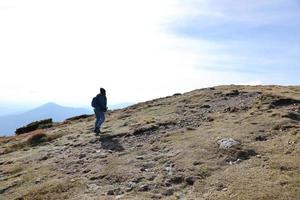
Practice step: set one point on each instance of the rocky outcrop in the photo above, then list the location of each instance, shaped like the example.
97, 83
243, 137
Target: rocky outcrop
42, 124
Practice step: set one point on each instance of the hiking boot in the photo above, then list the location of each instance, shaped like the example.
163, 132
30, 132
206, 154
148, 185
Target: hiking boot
97, 131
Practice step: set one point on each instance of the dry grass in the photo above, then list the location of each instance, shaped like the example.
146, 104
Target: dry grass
37, 138
33, 138
52, 190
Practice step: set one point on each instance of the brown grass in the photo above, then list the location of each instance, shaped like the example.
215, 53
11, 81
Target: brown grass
26, 140
53, 190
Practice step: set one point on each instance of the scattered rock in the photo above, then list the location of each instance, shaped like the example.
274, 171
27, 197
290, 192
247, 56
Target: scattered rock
197, 163
38, 180
144, 188
208, 119
191, 180
86, 171
46, 157
231, 109
140, 157
176, 180
82, 155
97, 177
116, 191
168, 192
189, 128
261, 138
205, 106
293, 116
245, 154
227, 143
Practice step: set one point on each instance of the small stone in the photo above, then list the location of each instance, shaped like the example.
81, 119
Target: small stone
176, 180
224, 189
168, 192
190, 180
46, 157
261, 138
197, 163
144, 188
140, 157
38, 180
97, 177
110, 192
86, 171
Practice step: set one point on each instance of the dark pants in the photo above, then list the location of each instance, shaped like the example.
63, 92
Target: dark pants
100, 118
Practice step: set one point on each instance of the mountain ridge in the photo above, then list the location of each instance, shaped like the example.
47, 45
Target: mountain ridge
224, 142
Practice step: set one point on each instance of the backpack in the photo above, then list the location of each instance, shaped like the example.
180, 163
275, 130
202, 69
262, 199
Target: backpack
94, 102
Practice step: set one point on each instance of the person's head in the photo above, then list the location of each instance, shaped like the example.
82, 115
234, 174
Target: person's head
102, 91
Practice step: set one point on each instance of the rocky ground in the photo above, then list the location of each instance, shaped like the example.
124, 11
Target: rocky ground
227, 142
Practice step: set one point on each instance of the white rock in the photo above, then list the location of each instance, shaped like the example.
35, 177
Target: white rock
227, 143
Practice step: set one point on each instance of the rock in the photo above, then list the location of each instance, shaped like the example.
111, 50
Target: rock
190, 128
82, 155
97, 177
283, 102
231, 109
116, 191
168, 192
110, 192
208, 119
205, 106
38, 180
78, 117
245, 154
227, 143
261, 138
42, 124
197, 163
232, 93
190, 180
144, 188
176, 180
176, 94
86, 171
140, 157
46, 157
293, 116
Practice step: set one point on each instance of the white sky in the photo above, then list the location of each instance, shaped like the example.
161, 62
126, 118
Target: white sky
65, 50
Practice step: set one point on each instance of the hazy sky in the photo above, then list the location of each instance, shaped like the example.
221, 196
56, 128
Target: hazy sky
64, 50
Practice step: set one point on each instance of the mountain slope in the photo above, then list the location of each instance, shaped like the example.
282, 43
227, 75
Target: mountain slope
227, 142
8, 124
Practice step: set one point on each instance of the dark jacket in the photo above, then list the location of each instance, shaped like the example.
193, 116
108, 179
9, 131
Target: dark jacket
101, 103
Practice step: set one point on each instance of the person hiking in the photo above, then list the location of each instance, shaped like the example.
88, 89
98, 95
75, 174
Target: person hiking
99, 103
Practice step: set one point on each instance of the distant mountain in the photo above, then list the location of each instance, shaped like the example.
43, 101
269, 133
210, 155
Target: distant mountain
9, 123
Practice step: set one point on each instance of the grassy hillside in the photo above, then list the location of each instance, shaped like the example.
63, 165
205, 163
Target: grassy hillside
227, 142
